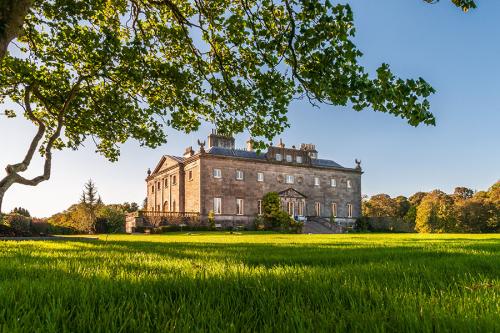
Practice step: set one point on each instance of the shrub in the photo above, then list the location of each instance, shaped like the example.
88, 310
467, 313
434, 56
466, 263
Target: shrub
211, 220
258, 223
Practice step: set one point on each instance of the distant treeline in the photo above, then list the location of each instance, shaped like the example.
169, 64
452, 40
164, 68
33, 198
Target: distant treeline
435, 212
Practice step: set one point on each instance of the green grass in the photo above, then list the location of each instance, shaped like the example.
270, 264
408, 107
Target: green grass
252, 282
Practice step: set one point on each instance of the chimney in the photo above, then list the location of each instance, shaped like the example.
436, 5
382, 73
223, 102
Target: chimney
188, 152
281, 144
250, 144
218, 140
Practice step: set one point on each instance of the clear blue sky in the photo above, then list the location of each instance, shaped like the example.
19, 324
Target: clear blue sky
459, 54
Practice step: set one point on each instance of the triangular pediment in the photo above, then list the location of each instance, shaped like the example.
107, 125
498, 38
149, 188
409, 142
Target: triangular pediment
291, 193
166, 162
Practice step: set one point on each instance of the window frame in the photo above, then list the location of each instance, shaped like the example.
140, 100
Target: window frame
240, 206
349, 183
317, 181
289, 158
291, 177
242, 175
217, 173
333, 182
317, 208
278, 157
298, 159
349, 210
334, 209
259, 207
219, 206
259, 179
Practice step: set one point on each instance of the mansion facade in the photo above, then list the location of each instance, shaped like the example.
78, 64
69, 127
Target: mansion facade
232, 182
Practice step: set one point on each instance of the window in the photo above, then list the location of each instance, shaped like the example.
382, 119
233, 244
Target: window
217, 173
158, 208
291, 208
239, 206
289, 179
278, 157
334, 209
298, 159
158, 185
166, 182
349, 210
190, 174
289, 158
239, 175
333, 182
174, 180
260, 176
317, 208
173, 205
316, 181
153, 189
217, 206
301, 208
349, 185
259, 207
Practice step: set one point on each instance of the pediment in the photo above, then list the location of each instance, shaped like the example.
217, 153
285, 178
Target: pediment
166, 162
291, 193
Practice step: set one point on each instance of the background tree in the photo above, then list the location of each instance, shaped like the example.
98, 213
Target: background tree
381, 205
463, 193
91, 202
435, 213
21, 211
117, 69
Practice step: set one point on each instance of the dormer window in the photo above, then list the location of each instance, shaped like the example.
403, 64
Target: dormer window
289, 158
298, 159
278, 157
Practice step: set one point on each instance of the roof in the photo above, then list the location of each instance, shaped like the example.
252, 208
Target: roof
325, 163
176, 158
236, 153
262, 156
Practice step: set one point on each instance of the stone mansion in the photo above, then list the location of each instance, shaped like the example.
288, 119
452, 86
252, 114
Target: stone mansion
231, 182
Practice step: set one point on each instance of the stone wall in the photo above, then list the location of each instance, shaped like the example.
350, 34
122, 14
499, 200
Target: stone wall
251, 190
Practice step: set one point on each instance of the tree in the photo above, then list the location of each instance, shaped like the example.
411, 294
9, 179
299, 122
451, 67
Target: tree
117, 69
402, 206
463, 193
381, 205
91, 202
21, 211
435, 213
130, 207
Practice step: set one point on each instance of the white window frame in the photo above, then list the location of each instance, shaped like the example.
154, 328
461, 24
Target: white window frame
260, 176
300, 211
289, 179
217, 206
217, 173
333, 182
349, 183
259, 207
240, 175
289, 158
279, 157
334, 209
240, 206
290, 208
317, 208
316, 181
298, 159
349, 210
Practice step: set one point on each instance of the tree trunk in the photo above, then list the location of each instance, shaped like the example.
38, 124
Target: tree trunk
12, 15
1, 200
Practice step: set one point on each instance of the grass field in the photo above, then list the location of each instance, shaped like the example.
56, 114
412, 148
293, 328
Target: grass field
252, 282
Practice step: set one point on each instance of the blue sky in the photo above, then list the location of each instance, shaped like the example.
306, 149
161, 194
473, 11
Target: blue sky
459, 54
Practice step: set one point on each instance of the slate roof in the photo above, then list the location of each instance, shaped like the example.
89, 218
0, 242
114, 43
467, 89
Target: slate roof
236, 153
176, 158
262, 156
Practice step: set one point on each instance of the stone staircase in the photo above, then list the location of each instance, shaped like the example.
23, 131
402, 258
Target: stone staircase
321, 226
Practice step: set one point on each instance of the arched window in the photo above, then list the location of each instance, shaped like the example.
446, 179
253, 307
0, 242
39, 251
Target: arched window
165, 206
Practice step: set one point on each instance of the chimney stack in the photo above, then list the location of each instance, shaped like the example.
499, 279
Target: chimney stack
250, 144
189, 152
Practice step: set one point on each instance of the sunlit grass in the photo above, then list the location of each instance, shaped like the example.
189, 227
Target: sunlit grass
252, 282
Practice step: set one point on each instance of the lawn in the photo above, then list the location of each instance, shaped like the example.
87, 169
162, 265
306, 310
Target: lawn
212, 282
